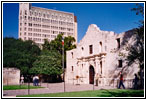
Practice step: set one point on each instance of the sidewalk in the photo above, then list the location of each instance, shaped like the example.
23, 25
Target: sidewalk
54, 88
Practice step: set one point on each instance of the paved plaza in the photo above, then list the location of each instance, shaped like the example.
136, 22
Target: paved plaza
54, 88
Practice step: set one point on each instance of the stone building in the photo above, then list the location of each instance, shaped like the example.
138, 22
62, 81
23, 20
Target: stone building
37, 23
11, 76
99, 58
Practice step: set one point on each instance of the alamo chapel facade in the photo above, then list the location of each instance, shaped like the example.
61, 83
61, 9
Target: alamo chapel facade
99, 58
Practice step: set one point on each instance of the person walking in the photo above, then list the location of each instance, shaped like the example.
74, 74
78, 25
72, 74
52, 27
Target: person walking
37, 81
21, 79
34, 81
121, 81
136, 82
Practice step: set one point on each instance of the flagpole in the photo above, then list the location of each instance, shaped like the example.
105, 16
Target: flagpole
63, 61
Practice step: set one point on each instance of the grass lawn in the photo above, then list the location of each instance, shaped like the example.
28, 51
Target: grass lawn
96, 93
15, 87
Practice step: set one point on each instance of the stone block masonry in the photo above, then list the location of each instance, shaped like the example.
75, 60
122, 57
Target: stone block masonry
11, 76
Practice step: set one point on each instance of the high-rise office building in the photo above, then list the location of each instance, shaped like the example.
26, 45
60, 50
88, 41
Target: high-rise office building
37, 23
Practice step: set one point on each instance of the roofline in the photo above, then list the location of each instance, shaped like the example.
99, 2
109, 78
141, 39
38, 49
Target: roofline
53, 10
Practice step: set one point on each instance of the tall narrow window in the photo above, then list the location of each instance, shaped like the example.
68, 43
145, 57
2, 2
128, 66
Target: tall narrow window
100, 46
72, 54
101, 66
72, 68
118, 42
82, 50
25, 17
90, 49
120, 63
25, 12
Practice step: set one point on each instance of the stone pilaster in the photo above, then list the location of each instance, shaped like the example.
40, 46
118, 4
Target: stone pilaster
104, 70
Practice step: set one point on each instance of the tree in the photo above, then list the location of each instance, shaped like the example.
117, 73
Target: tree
136, 53
19, 54
48, 63
56, 45
68, 43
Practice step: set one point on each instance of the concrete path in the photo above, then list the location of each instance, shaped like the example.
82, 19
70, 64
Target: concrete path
54, 88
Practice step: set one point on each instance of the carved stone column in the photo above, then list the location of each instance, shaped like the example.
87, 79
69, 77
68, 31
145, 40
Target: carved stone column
87, 71
104, 70
97, 65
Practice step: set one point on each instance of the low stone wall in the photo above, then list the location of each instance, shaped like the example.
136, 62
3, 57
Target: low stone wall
11, 76
128, 83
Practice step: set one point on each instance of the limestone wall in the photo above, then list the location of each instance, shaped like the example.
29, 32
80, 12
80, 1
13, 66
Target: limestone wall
11, 76
104, 58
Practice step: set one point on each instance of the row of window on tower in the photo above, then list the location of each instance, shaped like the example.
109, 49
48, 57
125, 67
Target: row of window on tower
36, 39
47, 26
47, 21
57, 16
47, 31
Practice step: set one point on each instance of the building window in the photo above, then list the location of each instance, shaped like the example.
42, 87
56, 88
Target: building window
30, 24
72, 68
118, 42
72, 54
25, 12
44, 15
82, 48
20, 12
101, 66
25, 28
25, 24
119, 63
100, 46
25, 17
29, 38
20, 17
90, 49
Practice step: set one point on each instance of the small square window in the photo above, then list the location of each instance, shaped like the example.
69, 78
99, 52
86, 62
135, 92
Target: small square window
119, 63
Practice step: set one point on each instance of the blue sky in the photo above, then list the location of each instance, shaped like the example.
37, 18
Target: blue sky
116, 17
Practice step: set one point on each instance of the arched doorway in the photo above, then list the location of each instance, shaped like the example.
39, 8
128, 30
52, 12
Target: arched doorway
91, 75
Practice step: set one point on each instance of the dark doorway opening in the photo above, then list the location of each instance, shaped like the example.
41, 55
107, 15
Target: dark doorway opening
91, 75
